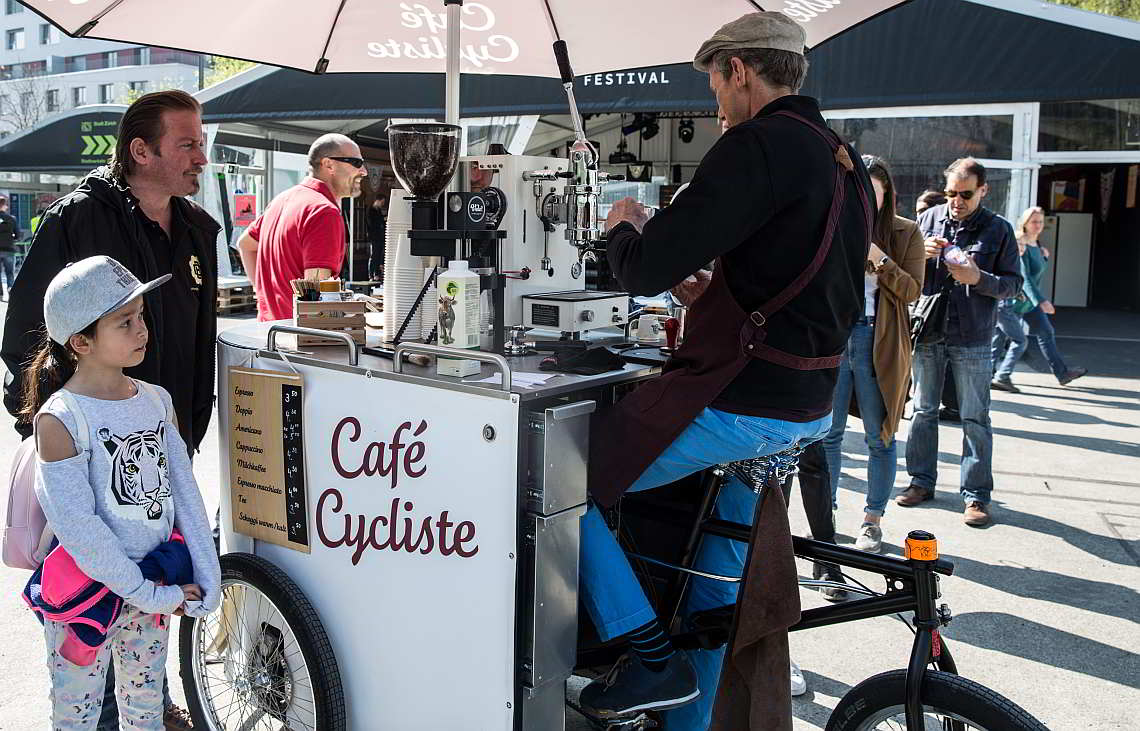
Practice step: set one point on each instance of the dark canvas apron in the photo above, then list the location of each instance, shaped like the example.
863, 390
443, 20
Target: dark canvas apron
626, 438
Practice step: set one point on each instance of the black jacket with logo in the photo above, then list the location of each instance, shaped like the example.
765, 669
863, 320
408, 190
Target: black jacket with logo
100, 217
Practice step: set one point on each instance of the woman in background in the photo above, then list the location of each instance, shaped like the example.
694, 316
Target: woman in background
1034, 308
876, 365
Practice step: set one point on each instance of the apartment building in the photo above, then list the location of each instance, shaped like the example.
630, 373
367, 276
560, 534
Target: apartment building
44, 72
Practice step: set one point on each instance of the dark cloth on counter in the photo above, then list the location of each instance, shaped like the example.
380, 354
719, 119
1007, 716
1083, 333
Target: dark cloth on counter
101, 216
582, 361
760, 201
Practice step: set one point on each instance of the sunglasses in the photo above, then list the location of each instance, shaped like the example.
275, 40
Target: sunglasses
358, 162
966, 194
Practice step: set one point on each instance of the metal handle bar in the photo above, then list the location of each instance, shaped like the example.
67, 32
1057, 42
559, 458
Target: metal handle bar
353, 349
459, 354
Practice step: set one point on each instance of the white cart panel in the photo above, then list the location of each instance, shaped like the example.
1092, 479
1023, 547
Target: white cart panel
424, 638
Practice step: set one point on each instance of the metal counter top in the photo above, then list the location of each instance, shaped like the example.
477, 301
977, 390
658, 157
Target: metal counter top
253, 336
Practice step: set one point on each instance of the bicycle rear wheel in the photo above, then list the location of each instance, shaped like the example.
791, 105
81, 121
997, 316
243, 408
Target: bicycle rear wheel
949, 702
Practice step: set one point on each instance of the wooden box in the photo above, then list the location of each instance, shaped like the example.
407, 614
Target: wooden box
344, 317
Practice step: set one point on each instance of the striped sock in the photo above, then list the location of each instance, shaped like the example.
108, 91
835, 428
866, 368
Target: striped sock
652, 646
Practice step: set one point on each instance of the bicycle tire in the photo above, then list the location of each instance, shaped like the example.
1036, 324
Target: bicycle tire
883, 696
302, 622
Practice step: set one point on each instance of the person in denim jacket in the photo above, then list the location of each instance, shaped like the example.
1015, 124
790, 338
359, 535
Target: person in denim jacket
989, 272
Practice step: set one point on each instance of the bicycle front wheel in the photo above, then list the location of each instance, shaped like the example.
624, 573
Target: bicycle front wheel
949, 703
262, 661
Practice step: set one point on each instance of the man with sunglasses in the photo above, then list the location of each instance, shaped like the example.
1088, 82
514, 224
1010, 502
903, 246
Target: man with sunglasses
982, 270
301, 233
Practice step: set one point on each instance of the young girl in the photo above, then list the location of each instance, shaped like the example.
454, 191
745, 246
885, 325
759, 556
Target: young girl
115, 502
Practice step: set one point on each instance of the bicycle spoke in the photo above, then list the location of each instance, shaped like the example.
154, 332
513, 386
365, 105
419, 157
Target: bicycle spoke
263, 679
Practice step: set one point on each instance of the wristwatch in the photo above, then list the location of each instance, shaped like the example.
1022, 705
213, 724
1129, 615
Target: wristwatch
882, 263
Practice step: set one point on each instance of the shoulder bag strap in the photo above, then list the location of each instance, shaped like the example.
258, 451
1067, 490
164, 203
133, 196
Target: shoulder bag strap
156, 399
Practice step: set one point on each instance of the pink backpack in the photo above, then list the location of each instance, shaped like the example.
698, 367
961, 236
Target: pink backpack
27, 537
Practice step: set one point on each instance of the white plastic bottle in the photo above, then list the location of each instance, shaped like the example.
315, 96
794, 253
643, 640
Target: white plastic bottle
458, 317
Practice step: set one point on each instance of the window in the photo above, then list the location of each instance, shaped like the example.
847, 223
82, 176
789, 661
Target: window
15, 40
106, 93
1104, 124
49, 34
919, 148
32, 68
52, 100
167, 55
78, 96
129, 57
11, 7
138, 87
27, 101
5, 103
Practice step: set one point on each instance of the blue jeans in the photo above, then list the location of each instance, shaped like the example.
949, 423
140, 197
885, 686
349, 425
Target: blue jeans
1010, 327
7, 267
970, 366
610, 590
857, 373
1040, 329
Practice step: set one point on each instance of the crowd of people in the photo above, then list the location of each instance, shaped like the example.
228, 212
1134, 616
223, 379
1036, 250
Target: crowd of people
781, 348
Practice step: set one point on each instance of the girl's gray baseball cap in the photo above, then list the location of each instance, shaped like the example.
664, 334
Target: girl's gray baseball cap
87, 290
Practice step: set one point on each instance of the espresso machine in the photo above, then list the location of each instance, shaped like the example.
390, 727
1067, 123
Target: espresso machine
527, 225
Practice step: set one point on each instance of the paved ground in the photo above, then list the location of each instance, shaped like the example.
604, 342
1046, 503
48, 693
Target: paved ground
1045, 601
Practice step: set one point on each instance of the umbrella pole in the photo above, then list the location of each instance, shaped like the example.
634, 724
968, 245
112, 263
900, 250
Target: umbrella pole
452, 85
451, 89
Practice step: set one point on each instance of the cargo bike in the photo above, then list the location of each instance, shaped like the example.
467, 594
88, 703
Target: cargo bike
427, 577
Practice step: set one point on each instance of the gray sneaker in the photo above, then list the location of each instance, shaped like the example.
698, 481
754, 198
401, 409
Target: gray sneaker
630, 687
870, 538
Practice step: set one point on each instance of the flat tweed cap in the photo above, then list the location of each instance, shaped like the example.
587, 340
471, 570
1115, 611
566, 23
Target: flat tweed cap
769, 29
87, 290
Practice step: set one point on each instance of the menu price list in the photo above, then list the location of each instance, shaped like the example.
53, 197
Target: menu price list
267, 471
292, 446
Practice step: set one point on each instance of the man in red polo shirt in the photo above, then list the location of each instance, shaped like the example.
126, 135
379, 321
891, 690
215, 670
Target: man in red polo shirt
301, 234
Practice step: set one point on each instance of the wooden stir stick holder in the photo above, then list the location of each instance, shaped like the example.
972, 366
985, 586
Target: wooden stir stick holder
344, 317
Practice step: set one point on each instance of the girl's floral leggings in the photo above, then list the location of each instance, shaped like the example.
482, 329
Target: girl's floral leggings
138, 646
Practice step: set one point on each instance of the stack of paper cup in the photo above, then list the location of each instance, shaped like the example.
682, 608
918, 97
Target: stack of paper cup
403, 273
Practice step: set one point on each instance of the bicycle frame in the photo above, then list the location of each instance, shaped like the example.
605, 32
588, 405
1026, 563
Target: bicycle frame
912, 586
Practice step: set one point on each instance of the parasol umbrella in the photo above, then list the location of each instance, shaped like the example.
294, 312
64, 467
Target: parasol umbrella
490, 36
463, 36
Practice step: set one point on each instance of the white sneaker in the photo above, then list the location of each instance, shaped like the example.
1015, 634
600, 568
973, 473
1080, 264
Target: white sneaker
799, 685
870, 538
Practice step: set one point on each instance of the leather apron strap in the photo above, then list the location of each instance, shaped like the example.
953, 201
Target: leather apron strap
756, 347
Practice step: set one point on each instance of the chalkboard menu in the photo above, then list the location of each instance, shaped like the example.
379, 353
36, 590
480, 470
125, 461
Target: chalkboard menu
267, 457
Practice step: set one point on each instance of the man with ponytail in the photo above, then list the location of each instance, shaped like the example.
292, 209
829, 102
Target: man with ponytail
135, 210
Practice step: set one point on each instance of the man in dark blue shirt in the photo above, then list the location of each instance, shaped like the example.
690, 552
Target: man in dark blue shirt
987, 273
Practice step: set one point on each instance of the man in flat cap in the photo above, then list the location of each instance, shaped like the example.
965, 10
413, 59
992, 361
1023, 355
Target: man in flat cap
784, 208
